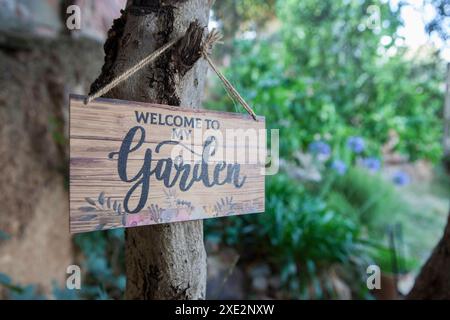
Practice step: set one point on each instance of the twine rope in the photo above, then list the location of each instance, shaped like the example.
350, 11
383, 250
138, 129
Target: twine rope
213, 37
129, 72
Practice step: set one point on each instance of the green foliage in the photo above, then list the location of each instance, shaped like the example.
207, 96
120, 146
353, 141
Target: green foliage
441, 20
332, 72
104, 261
295, 220
298, 234
4, 236
240, 15
368, 198
384, 258
377, 207
6, 282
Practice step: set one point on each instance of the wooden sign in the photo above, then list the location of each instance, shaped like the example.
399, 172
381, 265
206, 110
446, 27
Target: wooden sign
134, 164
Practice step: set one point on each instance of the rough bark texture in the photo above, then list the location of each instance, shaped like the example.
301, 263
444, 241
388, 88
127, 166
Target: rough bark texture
433, 281
446, 140
163, 261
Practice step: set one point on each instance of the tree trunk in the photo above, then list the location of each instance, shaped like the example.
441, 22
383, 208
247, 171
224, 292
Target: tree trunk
433, 281
446, 139
163, 261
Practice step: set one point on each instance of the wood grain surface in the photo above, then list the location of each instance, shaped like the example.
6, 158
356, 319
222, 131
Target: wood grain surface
198, 164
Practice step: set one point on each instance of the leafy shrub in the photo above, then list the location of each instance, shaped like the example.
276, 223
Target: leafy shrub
368, 198
336, 86
298, 234
326, 75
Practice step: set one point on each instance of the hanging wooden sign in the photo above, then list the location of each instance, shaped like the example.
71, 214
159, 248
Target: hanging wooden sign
134, 164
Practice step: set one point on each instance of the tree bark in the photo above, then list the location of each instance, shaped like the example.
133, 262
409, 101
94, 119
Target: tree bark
433, 281
446, 139
163, 261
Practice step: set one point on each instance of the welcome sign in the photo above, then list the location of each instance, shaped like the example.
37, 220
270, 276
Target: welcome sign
134, 164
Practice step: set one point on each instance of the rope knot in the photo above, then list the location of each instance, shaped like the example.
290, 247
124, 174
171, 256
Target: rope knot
212, 38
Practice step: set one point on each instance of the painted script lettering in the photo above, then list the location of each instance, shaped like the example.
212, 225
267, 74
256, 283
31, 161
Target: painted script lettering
170, 172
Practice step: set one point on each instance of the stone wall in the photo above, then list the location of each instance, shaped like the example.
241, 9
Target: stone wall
40, 65
47, 17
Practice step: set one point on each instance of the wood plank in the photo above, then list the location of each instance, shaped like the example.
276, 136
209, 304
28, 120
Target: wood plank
228, 182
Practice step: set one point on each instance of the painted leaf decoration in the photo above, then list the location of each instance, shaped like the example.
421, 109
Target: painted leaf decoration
90, 201
87, 209
108, 203
87, 217
100, 226
101, 198
115, 205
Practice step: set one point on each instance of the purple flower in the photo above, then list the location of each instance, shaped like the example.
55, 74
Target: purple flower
356, 144
401, 178
319, 148
339, 166
372, 163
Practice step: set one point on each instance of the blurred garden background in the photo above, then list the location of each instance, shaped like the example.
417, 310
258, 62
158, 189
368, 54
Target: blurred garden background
357, 89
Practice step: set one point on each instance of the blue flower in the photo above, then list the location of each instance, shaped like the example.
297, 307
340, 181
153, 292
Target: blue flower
356, 144
339, 166
372, 163
401, 178
319, 148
